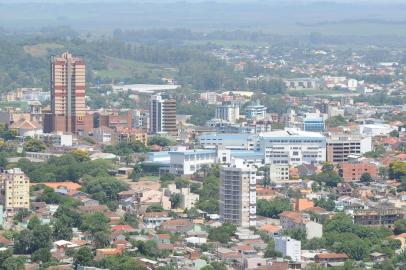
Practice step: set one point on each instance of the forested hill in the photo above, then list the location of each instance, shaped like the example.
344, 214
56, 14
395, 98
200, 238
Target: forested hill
24, 58
25, 63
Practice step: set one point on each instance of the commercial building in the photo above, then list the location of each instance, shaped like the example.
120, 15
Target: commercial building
289, 248
313, 124
56, 139
15, 189
231, 141
293, 147
238, 193
255, 111
302, 84
187, 162
68, 82
376, 129
162, 115
229, 112
339, 147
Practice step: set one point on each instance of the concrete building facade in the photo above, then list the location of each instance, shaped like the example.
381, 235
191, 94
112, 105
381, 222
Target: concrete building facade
228, 112
238, 193
293, 147
340, 147
15, 190
68, 82
162, 115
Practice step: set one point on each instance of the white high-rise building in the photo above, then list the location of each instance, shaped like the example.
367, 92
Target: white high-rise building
162, 115
228, 112
238, 193
289, 247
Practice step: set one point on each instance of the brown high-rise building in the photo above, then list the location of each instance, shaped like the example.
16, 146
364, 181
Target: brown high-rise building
68, 84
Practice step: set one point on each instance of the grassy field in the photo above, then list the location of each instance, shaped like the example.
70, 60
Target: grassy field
120, 69
41, 50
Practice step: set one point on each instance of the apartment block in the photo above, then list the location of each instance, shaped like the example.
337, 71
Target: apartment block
163, 115
15, 189
68, 82
279, 173
238, 193
228, 112
352, 171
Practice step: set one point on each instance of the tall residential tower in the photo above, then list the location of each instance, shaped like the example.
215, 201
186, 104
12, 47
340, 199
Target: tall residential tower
162, 115
67, 94
238, 193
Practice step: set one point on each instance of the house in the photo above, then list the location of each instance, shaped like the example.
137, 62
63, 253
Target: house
89, 202
61, 245
327, 258
177, 225
155, 219
105, 252
123, 228
291, 220
302, 204
270, 229
26, 128
162, 238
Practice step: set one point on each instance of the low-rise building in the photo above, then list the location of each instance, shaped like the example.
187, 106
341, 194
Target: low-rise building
289, 248
295, 220
352, 171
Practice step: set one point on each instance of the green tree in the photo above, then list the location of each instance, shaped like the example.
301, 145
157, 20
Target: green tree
397, 170
270, 251
101, 239
33, 222
328, 204
131, 220
296, 233
330, 178
14, 263
175, 200
61, 231
155, 208
21, 214
336, 121
356, 249
223, 233
273, 208
95, 222
400, 226
366, 178
84, 257
394, 133
34, 145
160, 140
41, 255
